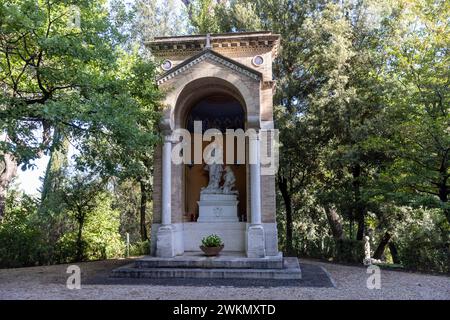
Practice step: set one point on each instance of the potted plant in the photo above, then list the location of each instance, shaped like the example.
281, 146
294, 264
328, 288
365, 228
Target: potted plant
212, 245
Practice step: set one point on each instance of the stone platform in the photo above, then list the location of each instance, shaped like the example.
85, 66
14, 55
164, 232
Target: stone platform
226, 266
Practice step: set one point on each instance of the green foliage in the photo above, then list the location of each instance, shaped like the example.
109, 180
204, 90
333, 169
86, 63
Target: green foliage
24, 241
100, 237
212, 240
127, 202
424, 243
140, 248
73, 79
237, 16
21, 242
80, 85
213, 16
349, 250
419, 115
203, 16
425, 255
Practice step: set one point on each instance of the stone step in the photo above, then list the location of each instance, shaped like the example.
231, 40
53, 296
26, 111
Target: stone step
291, 270
201, 261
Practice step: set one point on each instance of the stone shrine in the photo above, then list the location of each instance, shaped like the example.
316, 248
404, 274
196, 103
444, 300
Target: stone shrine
224, 82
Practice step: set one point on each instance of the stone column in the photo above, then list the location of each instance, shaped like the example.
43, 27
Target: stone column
166, 182
165, 238
255, 232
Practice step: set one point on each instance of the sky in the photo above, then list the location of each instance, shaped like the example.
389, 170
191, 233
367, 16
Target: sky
28, 180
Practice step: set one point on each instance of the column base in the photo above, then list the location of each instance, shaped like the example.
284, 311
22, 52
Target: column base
256, 246
165, 246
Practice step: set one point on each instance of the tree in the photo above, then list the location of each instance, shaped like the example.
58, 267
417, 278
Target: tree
62, 69
419, 113
217, 16
81, 195
203, 16
8, 170
143, 20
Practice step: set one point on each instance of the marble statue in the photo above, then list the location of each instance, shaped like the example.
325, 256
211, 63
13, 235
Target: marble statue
215, 175
367, 260
229, 181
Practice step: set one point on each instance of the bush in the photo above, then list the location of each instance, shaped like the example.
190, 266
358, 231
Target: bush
339, 250
20, 241
100, 238
140, 248
20, 245
349, 250
423, 245
424, 255
323, 248
212, 240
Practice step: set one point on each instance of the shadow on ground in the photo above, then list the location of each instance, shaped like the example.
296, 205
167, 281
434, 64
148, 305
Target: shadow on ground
312, 276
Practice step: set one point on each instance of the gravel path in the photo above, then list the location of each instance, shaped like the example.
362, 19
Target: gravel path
348, 282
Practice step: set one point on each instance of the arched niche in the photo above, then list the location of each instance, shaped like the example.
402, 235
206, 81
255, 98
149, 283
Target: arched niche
222, 111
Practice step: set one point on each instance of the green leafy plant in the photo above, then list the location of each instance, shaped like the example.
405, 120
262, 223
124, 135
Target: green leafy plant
212, 240
140, 248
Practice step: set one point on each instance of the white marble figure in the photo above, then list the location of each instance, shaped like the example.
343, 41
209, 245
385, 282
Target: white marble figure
229, 181
215, 175
367, 259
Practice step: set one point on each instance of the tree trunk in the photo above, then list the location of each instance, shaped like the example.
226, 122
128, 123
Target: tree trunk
394, 252
443, 196
289, 247
142, 211
282, 184
8, 170
359, 208
382, 245
54, 174
443, 188
80, 253
334, 221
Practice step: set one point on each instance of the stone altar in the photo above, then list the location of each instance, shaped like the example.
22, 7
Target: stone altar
218, 208
218, 204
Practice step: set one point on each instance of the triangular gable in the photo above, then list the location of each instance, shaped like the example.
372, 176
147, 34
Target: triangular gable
213, 56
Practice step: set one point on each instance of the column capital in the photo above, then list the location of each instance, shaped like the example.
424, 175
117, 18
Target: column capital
164, 126
168, 138
253, 122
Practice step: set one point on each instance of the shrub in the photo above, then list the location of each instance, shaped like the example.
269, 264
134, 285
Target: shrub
349, 250
20, 241
140, 248
423, 245
20, 245
424, 255
339, 250
100, 237
212, 240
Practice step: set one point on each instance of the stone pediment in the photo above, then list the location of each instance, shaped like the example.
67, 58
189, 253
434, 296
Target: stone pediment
210, 55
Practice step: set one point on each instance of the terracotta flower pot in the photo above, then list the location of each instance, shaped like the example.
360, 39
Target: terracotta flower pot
211, 251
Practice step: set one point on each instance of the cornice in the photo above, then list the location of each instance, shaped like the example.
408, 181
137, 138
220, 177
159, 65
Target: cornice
212, 56
188, 45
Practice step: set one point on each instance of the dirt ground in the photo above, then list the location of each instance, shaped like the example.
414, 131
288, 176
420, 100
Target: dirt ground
342, 282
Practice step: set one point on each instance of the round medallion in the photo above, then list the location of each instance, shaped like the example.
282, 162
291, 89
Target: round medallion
166, 65
258, 61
